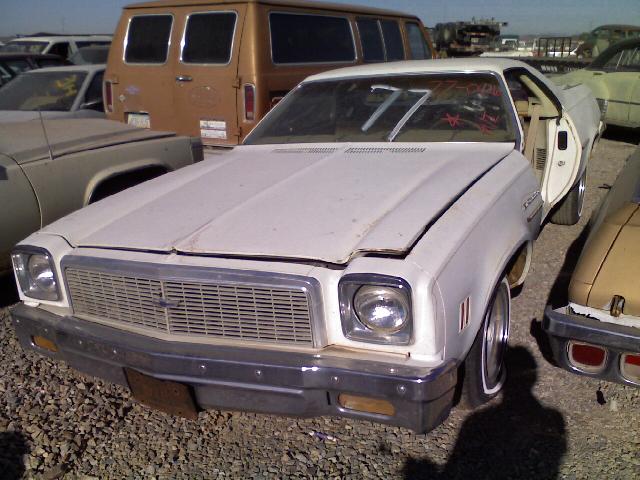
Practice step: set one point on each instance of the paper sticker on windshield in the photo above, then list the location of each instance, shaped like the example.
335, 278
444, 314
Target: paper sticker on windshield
213, 129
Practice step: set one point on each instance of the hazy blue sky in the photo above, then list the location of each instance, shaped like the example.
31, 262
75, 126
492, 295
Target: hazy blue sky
524, 16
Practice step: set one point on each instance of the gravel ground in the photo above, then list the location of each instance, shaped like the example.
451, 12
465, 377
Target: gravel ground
57, 423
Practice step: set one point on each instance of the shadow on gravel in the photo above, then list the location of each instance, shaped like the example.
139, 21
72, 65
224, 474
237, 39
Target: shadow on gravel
13, 447
621, 134
517, 438
8, 292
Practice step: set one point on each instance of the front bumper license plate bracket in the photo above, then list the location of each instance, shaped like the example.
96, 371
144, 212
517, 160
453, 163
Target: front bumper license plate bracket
170, 397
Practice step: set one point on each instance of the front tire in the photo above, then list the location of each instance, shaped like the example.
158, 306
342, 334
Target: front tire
484, 368
570, 210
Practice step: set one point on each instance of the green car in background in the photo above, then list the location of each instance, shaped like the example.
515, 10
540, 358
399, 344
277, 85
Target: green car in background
614, 78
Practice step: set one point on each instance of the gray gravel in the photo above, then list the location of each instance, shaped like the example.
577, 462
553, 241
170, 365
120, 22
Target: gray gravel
57, 423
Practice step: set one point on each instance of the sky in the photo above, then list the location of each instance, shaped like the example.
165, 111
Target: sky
545, 17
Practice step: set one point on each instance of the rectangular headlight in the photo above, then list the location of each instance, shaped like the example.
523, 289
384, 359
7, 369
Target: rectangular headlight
36, 273
376, 308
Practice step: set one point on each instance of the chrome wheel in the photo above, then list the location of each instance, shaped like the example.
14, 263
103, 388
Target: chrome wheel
495, 337
582, 187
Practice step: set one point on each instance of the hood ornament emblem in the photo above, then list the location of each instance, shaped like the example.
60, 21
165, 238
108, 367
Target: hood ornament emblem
165, 303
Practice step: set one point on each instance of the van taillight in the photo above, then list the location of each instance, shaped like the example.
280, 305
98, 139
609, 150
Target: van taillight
630, 367
108, 96
249, 102
588, 358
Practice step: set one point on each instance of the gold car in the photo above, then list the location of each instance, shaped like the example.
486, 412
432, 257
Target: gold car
598, 333
614, 78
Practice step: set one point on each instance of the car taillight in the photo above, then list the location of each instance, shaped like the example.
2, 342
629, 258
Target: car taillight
630, 367
249, 102
108, 96
585, 357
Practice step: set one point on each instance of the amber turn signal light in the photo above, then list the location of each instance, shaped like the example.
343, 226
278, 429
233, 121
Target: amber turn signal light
45, 343
366, 404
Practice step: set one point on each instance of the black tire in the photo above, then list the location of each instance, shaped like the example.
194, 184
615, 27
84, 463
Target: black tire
484, 368
570, 210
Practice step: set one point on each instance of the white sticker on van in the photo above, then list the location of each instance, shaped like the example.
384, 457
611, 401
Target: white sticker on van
213, 129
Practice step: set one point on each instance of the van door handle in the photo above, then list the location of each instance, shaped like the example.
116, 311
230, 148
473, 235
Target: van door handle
184, 78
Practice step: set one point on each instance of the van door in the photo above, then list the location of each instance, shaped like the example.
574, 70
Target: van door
146, 75
206, 85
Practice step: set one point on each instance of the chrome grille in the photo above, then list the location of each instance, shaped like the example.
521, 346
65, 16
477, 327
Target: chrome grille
262, 313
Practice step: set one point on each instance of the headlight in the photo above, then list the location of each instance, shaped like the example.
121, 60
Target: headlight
35, 273
376, 308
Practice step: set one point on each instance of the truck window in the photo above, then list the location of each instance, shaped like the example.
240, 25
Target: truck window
208, 37
302, 38
372, 46
392, 40
417, 43
147, 39
60, 48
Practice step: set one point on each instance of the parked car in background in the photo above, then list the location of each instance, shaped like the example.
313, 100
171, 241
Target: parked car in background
56, 92
604, 37
598, 333
350, 259
94, 55
214, 68
614, 78
50, 169
62, 45
13, 64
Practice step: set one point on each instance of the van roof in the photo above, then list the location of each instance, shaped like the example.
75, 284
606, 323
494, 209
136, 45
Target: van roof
284, 3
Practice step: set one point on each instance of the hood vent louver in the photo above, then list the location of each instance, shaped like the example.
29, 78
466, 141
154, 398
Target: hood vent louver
318, 150
372, 150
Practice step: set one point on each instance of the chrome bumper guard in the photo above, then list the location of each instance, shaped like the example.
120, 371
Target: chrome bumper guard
562, 327
246, 379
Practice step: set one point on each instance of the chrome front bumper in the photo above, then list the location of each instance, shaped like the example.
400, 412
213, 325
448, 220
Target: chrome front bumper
247, 379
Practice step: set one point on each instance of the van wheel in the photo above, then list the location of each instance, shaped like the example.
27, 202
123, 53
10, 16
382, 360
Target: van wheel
484, 368
570, 210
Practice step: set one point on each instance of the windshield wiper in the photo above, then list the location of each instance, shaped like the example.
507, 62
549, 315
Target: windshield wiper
400, 125
396, 92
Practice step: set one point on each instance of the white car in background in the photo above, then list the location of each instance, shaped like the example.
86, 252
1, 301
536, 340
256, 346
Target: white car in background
62, 45
352, 258
54, 92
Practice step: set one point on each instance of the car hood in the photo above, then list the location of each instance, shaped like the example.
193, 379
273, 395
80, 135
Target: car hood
28, 141
326, 202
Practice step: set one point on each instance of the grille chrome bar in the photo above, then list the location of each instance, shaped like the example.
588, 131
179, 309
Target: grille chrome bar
195, 302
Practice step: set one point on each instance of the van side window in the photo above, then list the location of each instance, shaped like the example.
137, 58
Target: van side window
381, 40
297, 38
208, 37
392, 40
147, 40
372, 46
417, 43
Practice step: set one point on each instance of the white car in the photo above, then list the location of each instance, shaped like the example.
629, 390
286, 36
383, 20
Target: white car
53, 92
352, 258
62, 45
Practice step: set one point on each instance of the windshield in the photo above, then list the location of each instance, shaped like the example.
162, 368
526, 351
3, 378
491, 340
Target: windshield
42, 91
24, 47
416, 108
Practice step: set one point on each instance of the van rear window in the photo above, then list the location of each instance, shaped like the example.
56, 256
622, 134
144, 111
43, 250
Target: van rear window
208, 37
417, 43
148, 39
392, 40
310, 39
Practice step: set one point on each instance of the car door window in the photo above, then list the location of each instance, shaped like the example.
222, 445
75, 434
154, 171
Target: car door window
93, 95
417, 43
61, 49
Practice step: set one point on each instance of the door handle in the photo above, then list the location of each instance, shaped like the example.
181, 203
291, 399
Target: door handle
184, 78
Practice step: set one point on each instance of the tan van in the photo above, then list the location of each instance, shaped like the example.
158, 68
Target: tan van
214, 68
